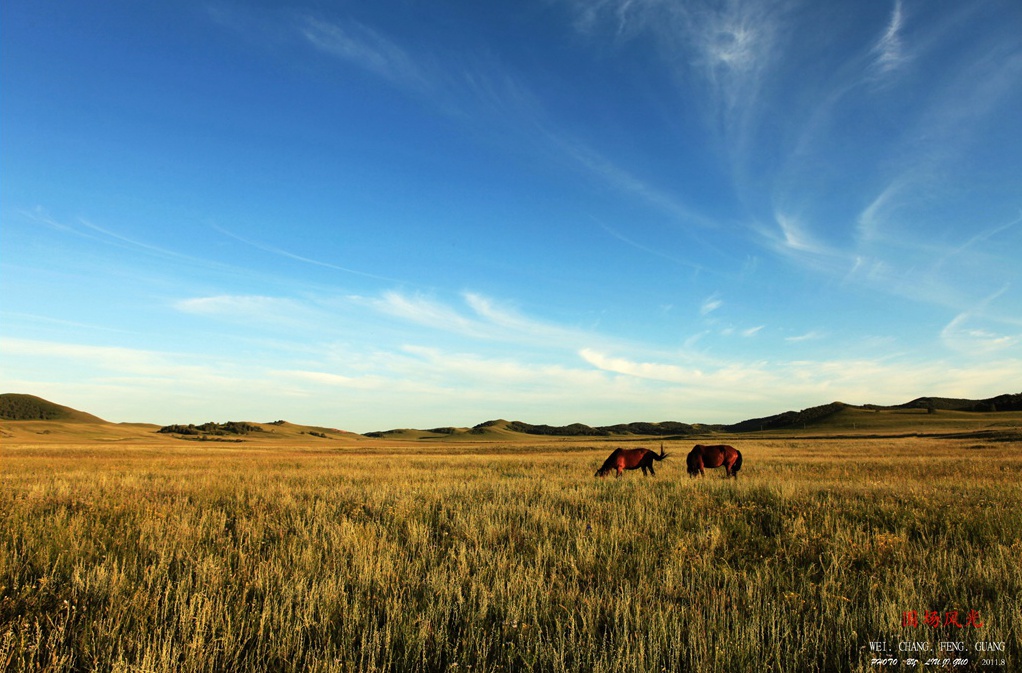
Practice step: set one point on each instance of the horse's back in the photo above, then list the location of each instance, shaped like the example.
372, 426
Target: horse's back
636, 457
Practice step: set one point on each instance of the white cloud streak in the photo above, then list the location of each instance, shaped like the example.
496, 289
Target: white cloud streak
808, 336
973, 333
486, 320
251, 309
83, 228
711, 304
856, 381
488, 95
299, 258
889, 51
368, 49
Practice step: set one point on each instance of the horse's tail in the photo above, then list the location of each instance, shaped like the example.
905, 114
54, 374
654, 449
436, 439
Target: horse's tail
738, 463
662, 454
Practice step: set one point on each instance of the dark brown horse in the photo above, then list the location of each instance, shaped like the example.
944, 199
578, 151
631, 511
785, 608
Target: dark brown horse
631, 459
714, 456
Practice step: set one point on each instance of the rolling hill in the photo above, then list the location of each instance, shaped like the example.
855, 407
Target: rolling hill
19, 407
27, 418
922, 414
30, 418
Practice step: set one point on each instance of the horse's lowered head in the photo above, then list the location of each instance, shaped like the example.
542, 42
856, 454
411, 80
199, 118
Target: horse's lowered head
695, 463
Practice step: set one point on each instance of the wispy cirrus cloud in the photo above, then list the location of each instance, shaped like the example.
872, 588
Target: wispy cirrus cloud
729, 45
794, 237
977, 331
366, 48
644, 370
871, 222
889, 51
483, 92
484, 319
277, 312
736, 44
466, 368
967, 334
511, 321
851, 380
83, 228
711, 304
299, 258
114, 358
812, 335
622, 180
976, 241
659, 252
428, 312
475, 317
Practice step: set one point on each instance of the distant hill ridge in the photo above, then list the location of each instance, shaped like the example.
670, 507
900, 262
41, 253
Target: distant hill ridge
788, 419
21, 407
999, 403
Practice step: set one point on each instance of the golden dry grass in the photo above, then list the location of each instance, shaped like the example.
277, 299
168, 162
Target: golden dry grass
186, 557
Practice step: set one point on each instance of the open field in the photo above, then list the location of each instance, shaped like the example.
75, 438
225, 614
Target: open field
186, 556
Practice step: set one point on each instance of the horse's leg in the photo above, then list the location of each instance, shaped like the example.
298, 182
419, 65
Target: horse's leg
651, 470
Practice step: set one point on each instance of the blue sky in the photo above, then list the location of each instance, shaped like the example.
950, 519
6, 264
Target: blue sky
410, 214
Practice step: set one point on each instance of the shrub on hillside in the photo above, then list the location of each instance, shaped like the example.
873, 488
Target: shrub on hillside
211, 428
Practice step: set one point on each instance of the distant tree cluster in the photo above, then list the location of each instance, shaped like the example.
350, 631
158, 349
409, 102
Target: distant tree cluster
572, 430
582, 430
657, 429
382, 433
211, 428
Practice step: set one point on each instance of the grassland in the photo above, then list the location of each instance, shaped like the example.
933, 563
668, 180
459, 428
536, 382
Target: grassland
180, 556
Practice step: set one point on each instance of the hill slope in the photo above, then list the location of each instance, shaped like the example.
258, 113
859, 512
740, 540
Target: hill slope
20, 407
789, 419
942, 411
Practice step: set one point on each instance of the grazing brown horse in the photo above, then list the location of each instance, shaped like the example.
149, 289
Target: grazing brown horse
714, 456
630, 459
